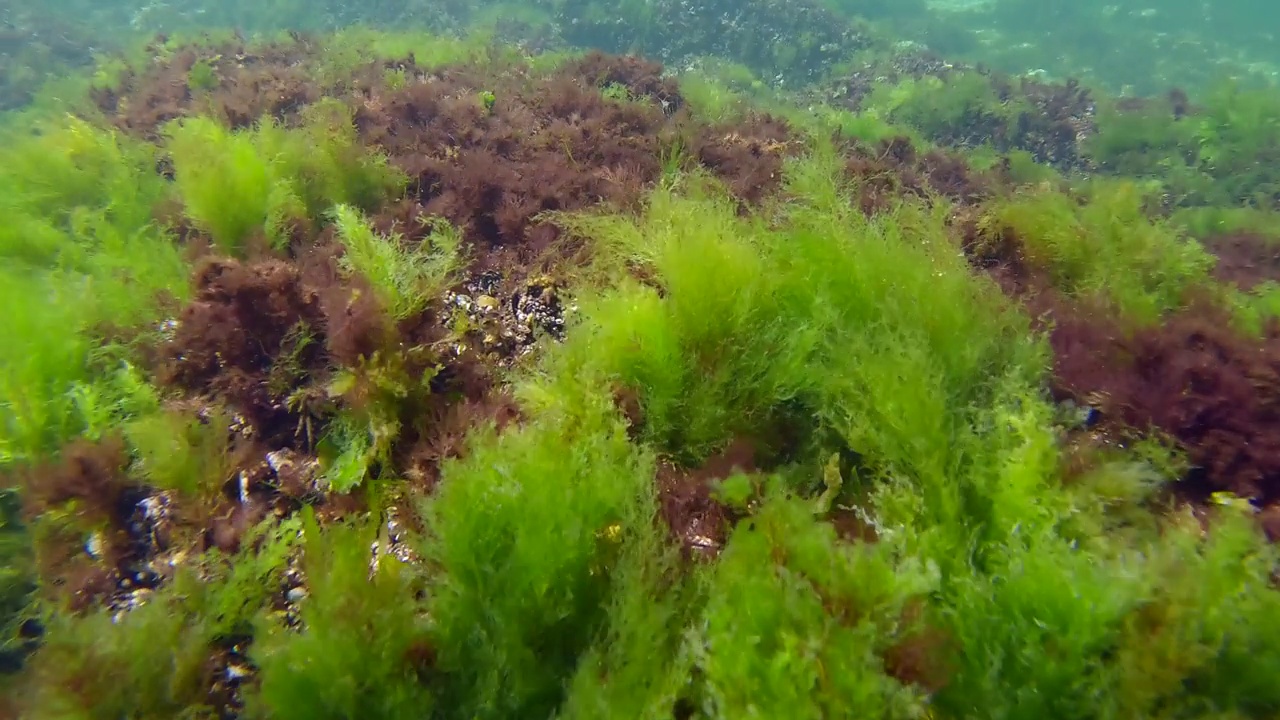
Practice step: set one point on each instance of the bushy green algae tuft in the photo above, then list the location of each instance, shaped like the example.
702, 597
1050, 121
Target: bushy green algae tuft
530, 585
1105, 247
238, 184
362, 651
1031, 585
406, 279
82, 255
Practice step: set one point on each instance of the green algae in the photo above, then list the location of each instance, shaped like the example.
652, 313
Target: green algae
81, 201
548, 589
405, 280
235, 184
1222, 155
356, 656
1106, 247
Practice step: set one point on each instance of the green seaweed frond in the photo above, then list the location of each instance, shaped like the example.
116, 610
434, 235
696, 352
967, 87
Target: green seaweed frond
405, 278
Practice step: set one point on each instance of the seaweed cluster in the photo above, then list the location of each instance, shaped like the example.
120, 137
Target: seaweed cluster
971, 107
394, 375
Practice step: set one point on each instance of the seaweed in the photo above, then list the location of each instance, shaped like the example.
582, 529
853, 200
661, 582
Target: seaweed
158, 659
364, 649
227, 185
239, 185
1104, 247
226, 340
971, 107
80, 202
184, 454
1216, 153
19, 584
1212, 389
819, 624
378, 393
525, 589
427, 379
406, 281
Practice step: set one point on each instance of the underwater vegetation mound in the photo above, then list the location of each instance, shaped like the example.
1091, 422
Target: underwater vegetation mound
427, 378
1213, 154
1218, 150
962, 106
894, 168
1179, 340
228, 81
486, 150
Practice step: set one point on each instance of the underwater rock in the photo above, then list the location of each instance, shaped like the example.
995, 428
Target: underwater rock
505, 321
391, 541
151, 557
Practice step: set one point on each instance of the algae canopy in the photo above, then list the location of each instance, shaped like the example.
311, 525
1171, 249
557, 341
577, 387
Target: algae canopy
649, 359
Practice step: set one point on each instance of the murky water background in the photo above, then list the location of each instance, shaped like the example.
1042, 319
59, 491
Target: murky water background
1136, 46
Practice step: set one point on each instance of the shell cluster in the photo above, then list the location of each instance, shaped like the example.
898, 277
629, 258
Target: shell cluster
505, 319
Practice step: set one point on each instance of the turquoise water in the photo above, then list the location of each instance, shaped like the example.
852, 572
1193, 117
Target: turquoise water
1139, 47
